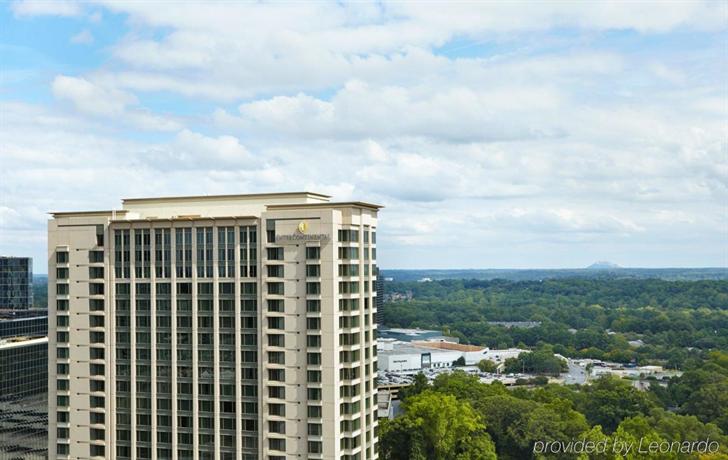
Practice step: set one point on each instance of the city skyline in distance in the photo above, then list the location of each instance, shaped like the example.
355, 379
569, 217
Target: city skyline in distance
510, 137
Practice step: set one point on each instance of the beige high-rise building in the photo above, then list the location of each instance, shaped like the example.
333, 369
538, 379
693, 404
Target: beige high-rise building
214, 327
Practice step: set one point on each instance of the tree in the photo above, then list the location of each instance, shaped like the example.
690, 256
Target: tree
609, 400
636, 430
710, 404
401, 439
541, 361
436, 426
459, 362
486, 365
417, 386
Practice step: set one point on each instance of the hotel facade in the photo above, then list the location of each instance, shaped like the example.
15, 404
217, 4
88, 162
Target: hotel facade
216, 327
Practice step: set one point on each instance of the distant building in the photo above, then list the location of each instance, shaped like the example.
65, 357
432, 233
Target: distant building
28, 323
16, 283
516, 324
409, 335
398, 356
379, 315
23, 398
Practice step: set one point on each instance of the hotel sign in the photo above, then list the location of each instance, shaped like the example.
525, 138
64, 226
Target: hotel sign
301, 235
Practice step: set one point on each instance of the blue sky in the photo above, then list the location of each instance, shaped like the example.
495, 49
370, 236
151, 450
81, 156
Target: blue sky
496, 134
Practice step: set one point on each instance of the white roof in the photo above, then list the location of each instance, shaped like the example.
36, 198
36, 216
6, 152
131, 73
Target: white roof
5, 343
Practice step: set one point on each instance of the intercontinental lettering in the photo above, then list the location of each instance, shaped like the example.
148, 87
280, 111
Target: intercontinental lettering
296, 237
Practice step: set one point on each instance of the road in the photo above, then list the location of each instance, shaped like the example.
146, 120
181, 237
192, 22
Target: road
576, 374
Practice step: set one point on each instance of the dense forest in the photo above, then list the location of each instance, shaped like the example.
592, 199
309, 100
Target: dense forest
588, 318
680, 324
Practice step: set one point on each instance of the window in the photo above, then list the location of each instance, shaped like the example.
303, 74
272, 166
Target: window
313, 376
184, 288
275, 271
348, 287
275, 305
95, 321
275, 426
61, 257
348, 253
313, 306
348, 270
248, 251
313, 271
314, 411
314, 429
62, 273
276, 340
96, 257
313, 288
226, 251
277, 444
183, 250
348, 304
275, 288
348, 236
248, 288
314, 447
275, 409
274, 253
313, 252
313, 341
96, 288
277, 375
96, 353
62, 289
96, 337
277, 392
96, 272
226, 289
276, 322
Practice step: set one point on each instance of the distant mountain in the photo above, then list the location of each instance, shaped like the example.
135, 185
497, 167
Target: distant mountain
671, 274
603, 265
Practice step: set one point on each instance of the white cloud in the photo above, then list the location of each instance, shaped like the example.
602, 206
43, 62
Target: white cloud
46, 7
92, 99
482, 127
83, 38
226, 51
360, 111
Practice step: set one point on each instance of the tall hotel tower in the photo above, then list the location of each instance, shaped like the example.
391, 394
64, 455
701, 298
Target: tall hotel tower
214, 327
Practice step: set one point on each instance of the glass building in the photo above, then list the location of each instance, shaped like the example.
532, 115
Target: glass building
16, 283
23, 398
28, 323
232, 327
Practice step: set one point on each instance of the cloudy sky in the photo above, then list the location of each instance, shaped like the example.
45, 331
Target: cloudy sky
496, 134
